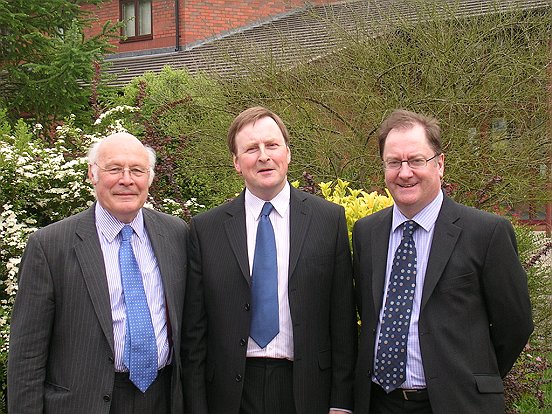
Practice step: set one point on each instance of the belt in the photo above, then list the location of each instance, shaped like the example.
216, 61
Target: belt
268, 362
124, 376
410, 395
404, 394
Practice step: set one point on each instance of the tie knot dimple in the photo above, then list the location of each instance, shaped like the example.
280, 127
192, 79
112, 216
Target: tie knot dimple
126, 232
267, 208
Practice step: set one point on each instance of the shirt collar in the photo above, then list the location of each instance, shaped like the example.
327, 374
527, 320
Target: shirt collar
110, 227
280, 203
426, 218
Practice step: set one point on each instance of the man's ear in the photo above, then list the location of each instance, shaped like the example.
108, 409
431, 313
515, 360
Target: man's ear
236, 163
91, 176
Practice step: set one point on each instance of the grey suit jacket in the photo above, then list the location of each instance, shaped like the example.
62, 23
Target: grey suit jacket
217, 312
61, 344
475, 315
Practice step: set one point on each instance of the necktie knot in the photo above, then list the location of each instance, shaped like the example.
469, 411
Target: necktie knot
409, 227
126, 232
267, 208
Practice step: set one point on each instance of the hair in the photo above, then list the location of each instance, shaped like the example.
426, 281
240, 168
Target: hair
402, 119
95, 148
251, 115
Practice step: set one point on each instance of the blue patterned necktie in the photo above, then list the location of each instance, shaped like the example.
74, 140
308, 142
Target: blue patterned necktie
390, 364
140, 354
264, 284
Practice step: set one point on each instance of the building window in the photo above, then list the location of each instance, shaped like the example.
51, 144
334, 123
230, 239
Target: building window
136, 17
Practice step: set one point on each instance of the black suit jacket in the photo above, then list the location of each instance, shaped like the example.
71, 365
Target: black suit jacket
61, 344
217, 314
475, 315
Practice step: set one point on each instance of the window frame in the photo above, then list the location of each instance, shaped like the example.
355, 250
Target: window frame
135, 38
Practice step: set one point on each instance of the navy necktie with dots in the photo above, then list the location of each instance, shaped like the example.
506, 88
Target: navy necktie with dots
140, 353
390, 364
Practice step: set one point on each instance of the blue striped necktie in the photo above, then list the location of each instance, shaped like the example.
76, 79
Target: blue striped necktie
140, 354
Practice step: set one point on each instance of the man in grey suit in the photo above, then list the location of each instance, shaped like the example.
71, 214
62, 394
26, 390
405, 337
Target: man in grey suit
305, 365
441, 340
73, 333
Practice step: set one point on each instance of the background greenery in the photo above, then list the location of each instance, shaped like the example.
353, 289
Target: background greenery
484, 77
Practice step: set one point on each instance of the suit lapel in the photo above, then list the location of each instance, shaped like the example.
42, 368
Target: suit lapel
445, 236
90, 257
300, 215
380, 244
162, 250
236, 232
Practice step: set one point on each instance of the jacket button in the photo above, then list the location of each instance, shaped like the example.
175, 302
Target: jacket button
107, 398
238, 378
110, 359
247, 306
243, 342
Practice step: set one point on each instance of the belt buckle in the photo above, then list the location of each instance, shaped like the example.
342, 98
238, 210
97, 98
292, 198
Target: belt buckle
405, 393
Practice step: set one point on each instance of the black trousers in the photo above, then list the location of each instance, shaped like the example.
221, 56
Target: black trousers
127, 399
396, 403
268, 387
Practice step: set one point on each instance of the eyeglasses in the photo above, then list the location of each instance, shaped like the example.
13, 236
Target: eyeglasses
413, 163
136, 172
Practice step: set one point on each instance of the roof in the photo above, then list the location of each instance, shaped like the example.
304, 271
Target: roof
303, 35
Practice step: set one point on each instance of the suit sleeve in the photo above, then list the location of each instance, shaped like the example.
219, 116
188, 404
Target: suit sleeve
343, 322
31, 327
194, 333
506, 297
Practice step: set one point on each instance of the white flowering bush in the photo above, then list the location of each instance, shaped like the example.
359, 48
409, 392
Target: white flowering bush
38, 185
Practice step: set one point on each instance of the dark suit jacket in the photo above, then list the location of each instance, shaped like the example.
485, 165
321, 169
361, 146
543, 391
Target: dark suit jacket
61, 345
217, 314
475, 313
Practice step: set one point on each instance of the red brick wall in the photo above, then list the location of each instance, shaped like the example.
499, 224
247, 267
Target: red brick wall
198, 19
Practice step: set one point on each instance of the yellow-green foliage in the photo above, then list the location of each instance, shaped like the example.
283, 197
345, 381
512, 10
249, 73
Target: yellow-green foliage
357, 203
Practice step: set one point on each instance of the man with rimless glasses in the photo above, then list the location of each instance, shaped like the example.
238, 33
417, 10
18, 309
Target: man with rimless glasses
440, 290
96, 321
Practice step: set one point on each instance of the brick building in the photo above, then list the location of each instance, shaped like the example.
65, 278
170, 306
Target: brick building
164, 26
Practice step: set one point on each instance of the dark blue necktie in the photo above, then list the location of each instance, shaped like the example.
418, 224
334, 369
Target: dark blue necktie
390, 364
264, 284
140, 354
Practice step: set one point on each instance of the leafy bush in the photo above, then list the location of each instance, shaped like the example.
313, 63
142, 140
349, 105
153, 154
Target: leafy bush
357, 203
484, 77
184, 118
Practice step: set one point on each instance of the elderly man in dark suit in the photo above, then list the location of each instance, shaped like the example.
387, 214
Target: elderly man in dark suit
98, 312
441, 293
269, 325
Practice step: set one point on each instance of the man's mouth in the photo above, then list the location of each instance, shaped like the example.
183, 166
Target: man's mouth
406, 185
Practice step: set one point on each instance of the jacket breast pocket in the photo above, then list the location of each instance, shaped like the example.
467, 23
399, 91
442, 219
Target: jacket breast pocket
457, 282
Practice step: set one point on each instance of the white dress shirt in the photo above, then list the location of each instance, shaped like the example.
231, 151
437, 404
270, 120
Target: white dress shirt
109, 228
282, 345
